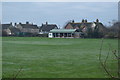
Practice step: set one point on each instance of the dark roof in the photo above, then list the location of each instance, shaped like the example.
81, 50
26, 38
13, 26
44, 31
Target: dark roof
29, 26
5, 26
48, 27
87, 24
14, 30
100, 25
80, 25
76, 24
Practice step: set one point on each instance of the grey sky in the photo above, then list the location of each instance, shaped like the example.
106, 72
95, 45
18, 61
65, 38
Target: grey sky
58, 12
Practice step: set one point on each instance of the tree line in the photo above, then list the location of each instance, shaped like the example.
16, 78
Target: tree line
112, 31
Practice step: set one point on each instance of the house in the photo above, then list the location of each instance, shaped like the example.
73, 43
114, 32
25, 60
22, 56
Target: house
6, 29
64, 33
45, 28
14, 31
86, 27
27, 28
83, 25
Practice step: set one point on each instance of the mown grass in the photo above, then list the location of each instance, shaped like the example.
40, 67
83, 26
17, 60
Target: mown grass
56, 58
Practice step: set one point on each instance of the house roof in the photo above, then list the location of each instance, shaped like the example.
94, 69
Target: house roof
76, 24
86, 24
81, 24
99, 23
62, 30
29, 26
48, 27
5, 26
14, 30
100, 26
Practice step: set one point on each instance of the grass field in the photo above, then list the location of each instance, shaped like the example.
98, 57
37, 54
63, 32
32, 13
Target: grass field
56, 58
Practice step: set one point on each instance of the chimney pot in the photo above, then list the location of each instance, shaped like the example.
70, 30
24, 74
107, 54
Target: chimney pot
97, 20
15, 24
46, 23
83, 20
73, 21
27, 22
20, 23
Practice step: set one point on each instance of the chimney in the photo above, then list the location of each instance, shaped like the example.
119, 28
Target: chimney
15, 24
97, 20
73, 21
46, 23
10, 23
20, 23
82, 20
27, 22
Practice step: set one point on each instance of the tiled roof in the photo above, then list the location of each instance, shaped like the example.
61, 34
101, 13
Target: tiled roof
48, 27
5, 26
29, 26
14, 30
100, 25
88, 24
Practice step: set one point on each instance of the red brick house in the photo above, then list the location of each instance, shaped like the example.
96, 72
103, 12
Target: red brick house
85, 26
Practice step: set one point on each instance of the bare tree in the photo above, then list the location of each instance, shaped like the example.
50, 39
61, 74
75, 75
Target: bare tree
103, 63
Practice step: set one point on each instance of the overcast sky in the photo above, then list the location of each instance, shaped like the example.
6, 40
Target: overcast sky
58, 12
